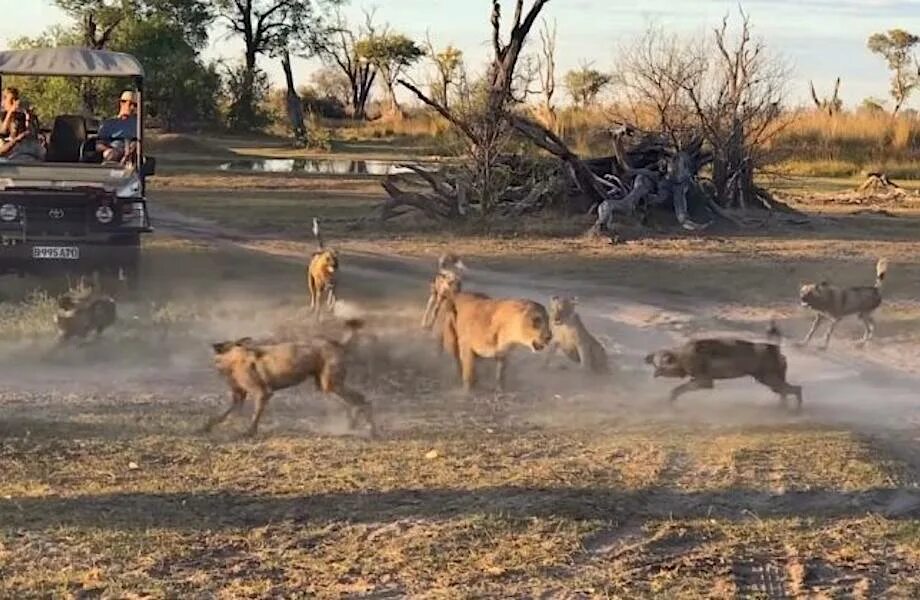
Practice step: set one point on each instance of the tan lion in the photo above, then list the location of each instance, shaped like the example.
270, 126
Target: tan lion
477, 326
572, 337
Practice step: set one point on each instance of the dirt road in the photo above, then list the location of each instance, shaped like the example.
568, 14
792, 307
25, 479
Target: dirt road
840, 388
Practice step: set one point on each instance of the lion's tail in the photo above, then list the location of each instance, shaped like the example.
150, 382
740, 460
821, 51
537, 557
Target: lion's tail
881, 269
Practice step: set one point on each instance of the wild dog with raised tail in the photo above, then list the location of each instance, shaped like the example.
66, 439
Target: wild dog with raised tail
572, 337
833, 303
321, 274
259, 370
447, 281
707, 360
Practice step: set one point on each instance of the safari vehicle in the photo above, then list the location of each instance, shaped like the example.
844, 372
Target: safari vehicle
72, 212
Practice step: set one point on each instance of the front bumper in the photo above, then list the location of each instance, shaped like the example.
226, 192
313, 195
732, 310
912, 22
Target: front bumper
109, 255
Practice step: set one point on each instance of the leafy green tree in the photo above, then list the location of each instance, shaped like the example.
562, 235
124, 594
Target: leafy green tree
392, 54
179, 89
266, 27
897, 48
584, 85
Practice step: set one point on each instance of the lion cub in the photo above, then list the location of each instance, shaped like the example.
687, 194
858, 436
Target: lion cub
321, 275
570, 334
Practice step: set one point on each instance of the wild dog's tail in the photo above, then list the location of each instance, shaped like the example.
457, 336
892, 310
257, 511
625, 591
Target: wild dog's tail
774, 335
881, 269
317, 234
352, 326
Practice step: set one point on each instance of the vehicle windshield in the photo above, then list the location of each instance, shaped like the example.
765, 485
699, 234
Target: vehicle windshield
89, 121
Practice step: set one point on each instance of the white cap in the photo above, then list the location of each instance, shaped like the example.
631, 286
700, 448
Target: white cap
129, 96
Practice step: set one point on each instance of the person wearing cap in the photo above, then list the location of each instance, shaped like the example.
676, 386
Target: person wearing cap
115, 135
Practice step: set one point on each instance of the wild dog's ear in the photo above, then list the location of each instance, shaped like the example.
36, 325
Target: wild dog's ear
650, 358
221, 347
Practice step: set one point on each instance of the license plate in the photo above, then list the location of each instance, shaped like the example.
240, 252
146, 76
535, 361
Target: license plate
56, 252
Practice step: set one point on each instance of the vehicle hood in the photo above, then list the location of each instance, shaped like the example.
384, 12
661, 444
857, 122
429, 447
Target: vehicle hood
110, 179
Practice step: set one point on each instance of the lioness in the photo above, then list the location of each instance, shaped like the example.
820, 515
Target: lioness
321, 274
834, 303
704, 361
477, 326
447, 281
259, 370
572, 337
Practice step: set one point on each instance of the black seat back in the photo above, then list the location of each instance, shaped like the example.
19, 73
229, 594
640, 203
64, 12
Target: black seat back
68, 134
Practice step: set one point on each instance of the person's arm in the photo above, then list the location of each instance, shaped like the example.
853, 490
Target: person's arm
5, 126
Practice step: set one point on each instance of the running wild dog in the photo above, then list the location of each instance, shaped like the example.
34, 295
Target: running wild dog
83, 310
833, 303
259, 370
704, 361
321, 274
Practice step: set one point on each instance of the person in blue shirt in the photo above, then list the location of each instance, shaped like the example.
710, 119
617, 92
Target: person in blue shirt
116, 135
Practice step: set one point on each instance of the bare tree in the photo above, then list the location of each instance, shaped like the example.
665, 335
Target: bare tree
484, 125
650, 78
546, 62
738, 104
831, 105
341, 50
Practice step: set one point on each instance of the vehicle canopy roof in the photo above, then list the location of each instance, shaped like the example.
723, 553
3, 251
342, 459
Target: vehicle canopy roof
69, 61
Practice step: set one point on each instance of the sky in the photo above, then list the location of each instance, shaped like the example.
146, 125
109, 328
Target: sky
819, 39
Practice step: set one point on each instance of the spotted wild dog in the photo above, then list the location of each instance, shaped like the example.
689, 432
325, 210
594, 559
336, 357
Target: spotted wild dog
833, 303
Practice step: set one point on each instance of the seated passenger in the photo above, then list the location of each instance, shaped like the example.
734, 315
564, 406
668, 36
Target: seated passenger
115, 134
10, 104
23, 145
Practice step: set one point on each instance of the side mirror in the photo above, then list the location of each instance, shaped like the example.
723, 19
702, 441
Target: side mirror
149, 166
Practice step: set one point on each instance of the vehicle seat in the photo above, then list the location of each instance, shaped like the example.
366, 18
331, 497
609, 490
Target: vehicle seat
68, 134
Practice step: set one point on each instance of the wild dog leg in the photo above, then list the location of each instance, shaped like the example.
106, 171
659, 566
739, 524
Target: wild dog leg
237, 396
357, 406
330, 298
428, 317
782, 388
693, 384
262, 398
550, 353
311, 284
830, 332
814, 327
869, 323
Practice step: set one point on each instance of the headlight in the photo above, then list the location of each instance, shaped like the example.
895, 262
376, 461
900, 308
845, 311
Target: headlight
9, 212
104, 214
129, 190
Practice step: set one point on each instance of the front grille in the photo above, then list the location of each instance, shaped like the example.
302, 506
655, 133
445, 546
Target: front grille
59, 213
48, 218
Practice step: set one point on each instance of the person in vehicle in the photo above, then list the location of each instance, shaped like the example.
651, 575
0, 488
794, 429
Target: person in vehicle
23, 145
115, 135
9, 102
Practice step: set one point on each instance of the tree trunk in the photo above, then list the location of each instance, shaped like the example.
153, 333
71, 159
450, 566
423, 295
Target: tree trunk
294, 104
